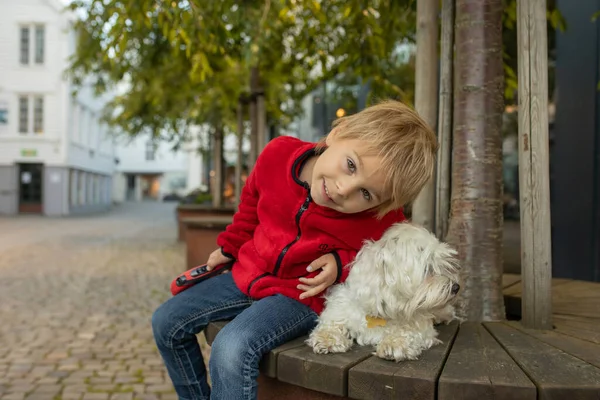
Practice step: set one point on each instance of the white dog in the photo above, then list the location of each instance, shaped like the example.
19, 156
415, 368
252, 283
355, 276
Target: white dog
398, 287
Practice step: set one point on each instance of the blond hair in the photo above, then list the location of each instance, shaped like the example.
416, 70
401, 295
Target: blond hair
405, 143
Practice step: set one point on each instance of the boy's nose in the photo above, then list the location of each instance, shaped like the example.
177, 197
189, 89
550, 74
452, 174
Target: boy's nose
344, 188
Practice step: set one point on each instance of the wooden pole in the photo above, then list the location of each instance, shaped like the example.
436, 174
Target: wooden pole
426, 96
240, 154
536, 260
261, 121
442, 210
253, 154
218, 168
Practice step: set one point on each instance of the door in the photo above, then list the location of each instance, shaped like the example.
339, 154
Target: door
31, 188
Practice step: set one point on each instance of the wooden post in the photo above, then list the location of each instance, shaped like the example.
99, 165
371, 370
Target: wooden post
536, 260
261, 116
442, 210
426, 96
218, 168
240, 154
253, 154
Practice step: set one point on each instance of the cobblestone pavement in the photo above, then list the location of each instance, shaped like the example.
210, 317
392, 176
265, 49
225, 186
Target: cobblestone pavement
76, 298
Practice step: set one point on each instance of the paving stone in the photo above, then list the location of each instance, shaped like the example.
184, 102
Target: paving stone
80, 330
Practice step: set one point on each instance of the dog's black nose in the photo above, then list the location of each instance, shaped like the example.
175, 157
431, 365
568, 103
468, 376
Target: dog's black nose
455, 288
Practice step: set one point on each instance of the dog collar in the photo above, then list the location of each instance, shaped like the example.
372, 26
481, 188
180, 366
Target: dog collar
372, 322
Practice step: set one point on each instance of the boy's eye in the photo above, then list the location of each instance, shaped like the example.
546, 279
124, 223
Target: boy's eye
351, 165
366, 194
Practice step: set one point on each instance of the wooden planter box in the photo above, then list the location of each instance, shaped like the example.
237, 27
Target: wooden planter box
201, 236
198, 210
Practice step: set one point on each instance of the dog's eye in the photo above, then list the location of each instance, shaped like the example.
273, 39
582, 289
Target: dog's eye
455, 288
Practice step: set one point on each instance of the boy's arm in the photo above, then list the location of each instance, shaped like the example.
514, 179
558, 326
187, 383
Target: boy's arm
244, 222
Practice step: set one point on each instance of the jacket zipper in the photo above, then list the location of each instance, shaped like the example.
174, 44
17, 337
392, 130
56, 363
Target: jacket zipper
303, 208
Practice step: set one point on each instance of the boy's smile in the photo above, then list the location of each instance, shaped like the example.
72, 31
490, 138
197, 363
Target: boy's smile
345, 177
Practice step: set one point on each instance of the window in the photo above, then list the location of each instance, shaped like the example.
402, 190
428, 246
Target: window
29, 119
39, 44
25, 45
149, 151
23, 114
37, 34
38, 115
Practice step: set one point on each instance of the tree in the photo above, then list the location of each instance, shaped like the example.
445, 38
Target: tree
476, 202
172, 55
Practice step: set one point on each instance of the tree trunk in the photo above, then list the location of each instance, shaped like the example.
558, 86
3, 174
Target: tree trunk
426, 97
476, 207
217, 194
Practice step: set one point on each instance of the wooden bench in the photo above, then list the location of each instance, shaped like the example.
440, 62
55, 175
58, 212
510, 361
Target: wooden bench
198, 210
201, 234
499, 360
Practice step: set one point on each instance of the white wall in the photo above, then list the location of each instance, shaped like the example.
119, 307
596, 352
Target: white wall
132, 157
40, 80
72, 134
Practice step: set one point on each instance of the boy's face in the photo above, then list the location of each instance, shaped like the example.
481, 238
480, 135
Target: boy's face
346, 178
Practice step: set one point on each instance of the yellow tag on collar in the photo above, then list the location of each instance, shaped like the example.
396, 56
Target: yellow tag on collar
372, 322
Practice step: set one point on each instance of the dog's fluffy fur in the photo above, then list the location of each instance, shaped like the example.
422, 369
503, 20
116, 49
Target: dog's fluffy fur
407, 280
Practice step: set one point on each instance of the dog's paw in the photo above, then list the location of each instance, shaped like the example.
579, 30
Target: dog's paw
400, 349
329, 340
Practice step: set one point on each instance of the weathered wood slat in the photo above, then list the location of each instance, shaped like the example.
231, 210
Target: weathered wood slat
516, 289
327, 373
587, 351
379, 379
579, 327
510, 279
212, 329
268, 364
557, 375
479, 368
534, 182
577, 298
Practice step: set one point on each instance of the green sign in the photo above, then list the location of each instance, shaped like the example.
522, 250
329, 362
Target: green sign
28, 152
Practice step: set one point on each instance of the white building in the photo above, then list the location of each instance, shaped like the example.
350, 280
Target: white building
55, 156
147, 171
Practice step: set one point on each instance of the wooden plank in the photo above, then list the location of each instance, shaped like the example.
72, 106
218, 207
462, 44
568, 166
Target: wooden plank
578, 298
268, 364
212, 329
587, 351
479, 368
327, 373
379, 379
208, 221
516, 289
426, 97
509, 280
582, 328
557, 375
444, 169
534, 180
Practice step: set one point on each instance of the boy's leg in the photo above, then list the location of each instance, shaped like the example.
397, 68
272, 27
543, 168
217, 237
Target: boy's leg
240, 345
177, 321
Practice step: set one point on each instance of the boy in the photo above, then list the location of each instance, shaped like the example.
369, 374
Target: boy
304, 212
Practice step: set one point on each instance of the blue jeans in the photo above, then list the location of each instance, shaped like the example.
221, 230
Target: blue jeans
258, 326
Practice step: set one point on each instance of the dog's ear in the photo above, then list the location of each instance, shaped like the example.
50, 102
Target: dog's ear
442, 260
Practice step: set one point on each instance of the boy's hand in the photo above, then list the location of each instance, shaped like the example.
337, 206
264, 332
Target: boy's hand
216, 258
325, 278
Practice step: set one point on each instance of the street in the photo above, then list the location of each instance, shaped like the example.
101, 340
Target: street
76, 298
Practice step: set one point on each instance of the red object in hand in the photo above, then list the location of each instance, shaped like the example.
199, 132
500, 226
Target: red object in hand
196, 275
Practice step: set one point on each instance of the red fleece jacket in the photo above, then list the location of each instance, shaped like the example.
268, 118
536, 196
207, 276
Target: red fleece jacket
278, 230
